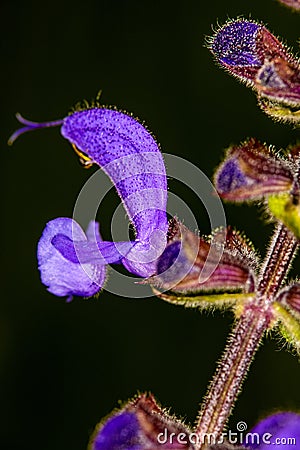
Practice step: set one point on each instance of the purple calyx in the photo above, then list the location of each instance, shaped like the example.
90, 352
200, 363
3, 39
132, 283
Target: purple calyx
235, 44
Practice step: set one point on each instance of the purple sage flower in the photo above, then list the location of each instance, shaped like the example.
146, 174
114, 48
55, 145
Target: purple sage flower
130, 156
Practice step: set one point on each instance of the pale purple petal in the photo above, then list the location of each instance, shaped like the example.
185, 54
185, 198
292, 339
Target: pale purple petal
82, 252
62, 277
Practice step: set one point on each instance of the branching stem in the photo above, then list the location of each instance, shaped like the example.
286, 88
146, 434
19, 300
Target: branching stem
245, 338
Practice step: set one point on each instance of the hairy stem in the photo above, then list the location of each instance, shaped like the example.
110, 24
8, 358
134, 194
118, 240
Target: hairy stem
277, 263
245, 338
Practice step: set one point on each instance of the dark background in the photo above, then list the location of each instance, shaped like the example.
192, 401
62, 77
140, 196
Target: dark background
65, 366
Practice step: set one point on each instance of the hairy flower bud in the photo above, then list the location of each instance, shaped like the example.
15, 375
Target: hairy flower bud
251, 171
180, 266
249, 51
141, 425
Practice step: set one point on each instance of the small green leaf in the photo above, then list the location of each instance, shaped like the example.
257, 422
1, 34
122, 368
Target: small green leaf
279, 111
207, 300
282, 207
289, 325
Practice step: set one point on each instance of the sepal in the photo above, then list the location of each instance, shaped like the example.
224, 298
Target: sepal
279, 111
290, 296
289, 325
284, 208
251, 171
180, 267
206, 301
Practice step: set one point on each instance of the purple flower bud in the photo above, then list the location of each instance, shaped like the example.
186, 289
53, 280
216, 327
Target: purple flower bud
251, 171
141, 425
279, 80
235, 44
281, 430
250, 52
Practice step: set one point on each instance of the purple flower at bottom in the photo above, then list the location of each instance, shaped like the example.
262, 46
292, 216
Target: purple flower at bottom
121, 432
281, 431
141, 425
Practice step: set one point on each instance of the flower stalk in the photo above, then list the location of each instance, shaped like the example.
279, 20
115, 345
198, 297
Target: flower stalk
246, 336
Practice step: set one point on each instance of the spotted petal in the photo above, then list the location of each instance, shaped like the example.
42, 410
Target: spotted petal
128, 153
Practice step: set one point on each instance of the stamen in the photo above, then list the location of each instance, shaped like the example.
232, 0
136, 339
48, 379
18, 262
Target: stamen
85, 160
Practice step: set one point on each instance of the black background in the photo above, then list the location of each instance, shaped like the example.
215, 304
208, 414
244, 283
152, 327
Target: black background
65, 366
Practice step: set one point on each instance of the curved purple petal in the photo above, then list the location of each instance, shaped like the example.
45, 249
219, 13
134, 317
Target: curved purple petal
129, 155
62, 277
281, 430
82, 252
137, 257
